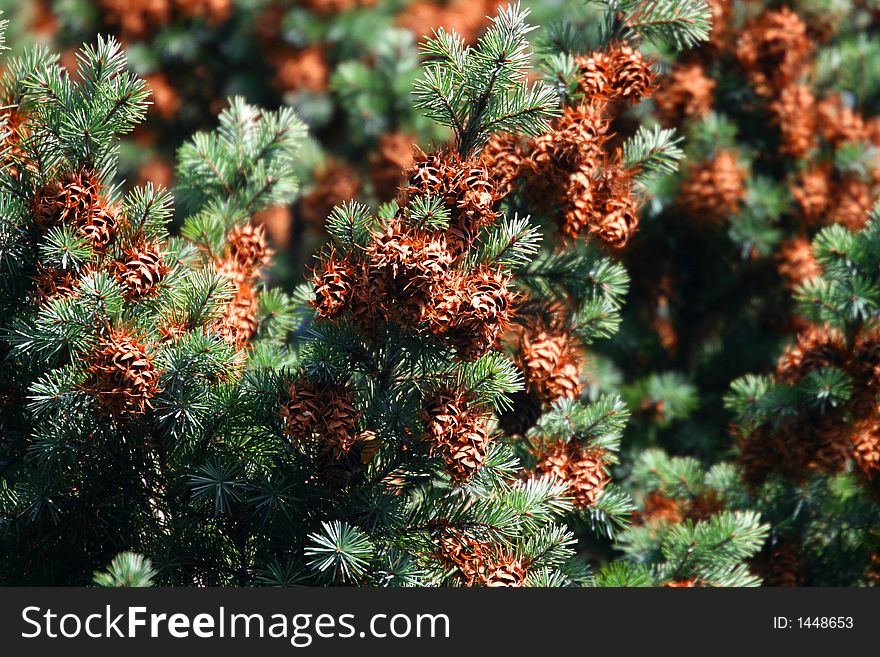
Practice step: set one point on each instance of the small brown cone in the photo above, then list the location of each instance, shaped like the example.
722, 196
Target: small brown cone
866, 446
687, 93
485, 304
334, 285
596, 75
504, 158
239, 321
657, 508
838, 123
322, 415
550, 362
714, 189
794, 113
774, 50
121, 375
142, 269
812, 193
633, 76
301, 69
456, 432
815, 348
582, 470
853, 200
796, 263
505, 571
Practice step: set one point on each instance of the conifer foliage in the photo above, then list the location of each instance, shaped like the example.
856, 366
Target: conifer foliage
808, 441
134, 362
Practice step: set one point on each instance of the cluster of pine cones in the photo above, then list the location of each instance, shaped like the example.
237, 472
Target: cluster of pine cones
824, 442
573, 166
478, 562
121, 373
774, 53
409, 274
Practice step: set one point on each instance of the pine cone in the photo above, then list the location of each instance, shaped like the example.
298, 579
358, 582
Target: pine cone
577, 140
714, 189
239, 321
75, 199
657, 508
866, 445
582, 470
774, 49
405, 271
687, 93
322, 415
52, 283
483, 306
634, 78
853, 200
14, 157
815, 348
721, 35
597, 75
682, 583
504, 158
796, 263
334, 285
393, 158
100, 226
466, 189
795, 114
813, 193
121, 375
550, 362
462, 551
301, 69
456, 432
142, 269
617, 216
503, 571
248, 249
838, 123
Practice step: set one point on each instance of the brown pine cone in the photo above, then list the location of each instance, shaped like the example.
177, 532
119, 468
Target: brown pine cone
121, 375
634, 78
322, 415
456, 432
582, 470
142, 269
686, 94
774, 49
714, 189
550, 362
795, 262
795, 114
815, 348
334, 281
812, 193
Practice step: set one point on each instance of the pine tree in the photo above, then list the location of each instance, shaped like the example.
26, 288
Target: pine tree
807, 435
137, 364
